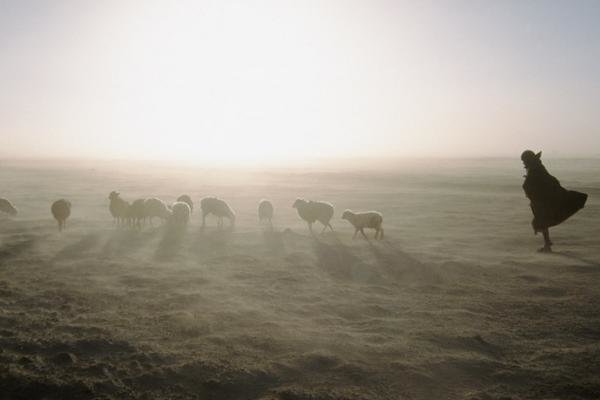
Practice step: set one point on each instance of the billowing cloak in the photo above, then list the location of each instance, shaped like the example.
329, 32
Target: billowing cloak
550, 202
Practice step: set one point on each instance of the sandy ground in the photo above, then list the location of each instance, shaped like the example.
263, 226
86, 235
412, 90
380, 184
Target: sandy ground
455, 303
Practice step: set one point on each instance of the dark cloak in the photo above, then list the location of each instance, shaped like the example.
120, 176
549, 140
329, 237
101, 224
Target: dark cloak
550, 202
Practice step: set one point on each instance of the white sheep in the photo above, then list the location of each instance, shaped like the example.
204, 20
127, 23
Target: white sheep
61, 210
218, 207
180, 213
154, 207
367, 219
188, 200
135, 213
265, 211
7, 207
312, 211
118, 207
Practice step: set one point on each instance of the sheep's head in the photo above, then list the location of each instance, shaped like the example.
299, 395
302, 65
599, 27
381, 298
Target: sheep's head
231, 214
11, 210
113, 195
346, 215
166, 212
298, 203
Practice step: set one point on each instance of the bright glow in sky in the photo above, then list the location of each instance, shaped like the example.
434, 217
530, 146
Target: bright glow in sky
270, 80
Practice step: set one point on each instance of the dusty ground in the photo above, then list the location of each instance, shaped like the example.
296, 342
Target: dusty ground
454, 303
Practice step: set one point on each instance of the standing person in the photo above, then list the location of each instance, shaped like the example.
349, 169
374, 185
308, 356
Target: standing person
550, 202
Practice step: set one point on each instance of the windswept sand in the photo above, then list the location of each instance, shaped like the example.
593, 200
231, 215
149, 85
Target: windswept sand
455, 303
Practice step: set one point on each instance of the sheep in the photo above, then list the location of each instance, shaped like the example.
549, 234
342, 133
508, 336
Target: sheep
367, 219
265, 211
218, 207
188, 200
155, 208
118, 207
180, 213
7, 207
135, 213
61, 210
312, 211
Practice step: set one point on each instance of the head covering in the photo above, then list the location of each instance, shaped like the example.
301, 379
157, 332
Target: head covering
530, 158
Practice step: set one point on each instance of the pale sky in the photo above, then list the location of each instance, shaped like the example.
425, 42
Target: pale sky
271, 80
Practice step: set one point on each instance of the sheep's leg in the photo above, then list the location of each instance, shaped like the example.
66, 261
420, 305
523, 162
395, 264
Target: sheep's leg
330, 227
380, 233
323, 230
355, 233
363, 233
310, 228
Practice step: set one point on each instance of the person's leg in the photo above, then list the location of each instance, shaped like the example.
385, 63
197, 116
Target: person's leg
547, 242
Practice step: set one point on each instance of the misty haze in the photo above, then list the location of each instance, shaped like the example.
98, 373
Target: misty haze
285, 200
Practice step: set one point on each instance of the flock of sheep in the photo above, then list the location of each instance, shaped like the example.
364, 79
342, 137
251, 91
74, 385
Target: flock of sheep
139, 211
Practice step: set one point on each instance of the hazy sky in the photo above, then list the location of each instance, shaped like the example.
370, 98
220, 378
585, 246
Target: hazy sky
247, 80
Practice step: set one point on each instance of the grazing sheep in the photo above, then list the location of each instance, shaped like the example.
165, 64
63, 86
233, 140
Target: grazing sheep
218, 207
265, 211
118, 207
7, 207
156, 208
180, 213
312, 211
188, 200
361, 220
61, 209
135, 213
